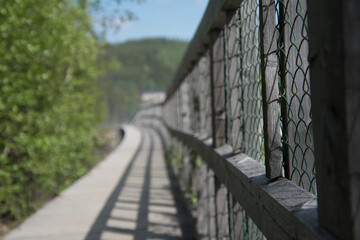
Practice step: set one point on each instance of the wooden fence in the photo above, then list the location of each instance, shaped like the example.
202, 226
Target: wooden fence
262, 122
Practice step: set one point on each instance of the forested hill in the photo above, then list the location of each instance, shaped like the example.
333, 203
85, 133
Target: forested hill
148, 64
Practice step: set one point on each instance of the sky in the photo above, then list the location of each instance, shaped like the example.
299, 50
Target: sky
175, 19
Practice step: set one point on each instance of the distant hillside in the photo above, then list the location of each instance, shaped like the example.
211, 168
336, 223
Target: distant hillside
148, 64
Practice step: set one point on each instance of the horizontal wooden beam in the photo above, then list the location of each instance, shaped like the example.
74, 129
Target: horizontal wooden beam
280, 209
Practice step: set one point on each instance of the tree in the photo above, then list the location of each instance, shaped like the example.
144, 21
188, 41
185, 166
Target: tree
48, 100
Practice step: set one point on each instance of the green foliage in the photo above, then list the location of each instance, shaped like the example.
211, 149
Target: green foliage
48, 100
174, 157
148, 64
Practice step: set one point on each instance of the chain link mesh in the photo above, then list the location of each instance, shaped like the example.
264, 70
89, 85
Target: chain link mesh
250, 81
237, 90
243, 99
244, 227
234, 134
293, 50
204, 96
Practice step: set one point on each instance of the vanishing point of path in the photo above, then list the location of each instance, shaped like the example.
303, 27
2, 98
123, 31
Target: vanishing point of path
129, 195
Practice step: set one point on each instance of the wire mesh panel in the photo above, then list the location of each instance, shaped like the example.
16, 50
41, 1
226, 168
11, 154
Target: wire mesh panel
254, 231
174, 113
226, 95
202, 203
243, 226
222, 210
175, 110
178, 110
185, 108
219, 87
211, 211
205, 95
250, 82
234, 126
170, 113
238, 221
190, 100
195, 99
293, 48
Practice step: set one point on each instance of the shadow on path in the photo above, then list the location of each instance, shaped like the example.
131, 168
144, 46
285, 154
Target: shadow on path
146, 203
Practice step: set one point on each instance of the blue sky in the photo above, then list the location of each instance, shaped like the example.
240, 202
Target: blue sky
177, 19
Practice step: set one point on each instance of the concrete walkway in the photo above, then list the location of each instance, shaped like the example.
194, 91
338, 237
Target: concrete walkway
128, 195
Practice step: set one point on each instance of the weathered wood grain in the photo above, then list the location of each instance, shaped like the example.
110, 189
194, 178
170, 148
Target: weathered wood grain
233, 77
222, 214
217, 62
335, 59
210, 181
202, 206
280, 208
270, 89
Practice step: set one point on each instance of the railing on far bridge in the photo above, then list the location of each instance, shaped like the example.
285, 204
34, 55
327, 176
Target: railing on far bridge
265, 143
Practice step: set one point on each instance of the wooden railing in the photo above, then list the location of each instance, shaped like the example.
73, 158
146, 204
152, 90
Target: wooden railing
262, 151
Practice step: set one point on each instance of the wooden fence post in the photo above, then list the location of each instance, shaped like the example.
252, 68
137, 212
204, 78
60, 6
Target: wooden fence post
270, 89
207, 99
222, 207
334, 28
233, 71
218, 88
185, 112
211, 204
219, 124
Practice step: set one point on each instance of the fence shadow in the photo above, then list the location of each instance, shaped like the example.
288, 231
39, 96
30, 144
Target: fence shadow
145, 203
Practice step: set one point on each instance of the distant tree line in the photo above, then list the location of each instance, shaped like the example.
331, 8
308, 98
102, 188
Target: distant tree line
147, 64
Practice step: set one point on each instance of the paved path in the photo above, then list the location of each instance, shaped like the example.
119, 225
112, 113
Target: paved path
127, 196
